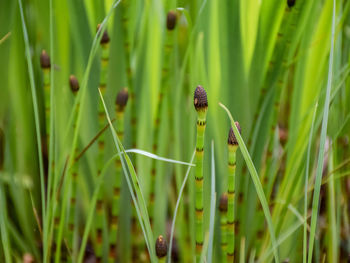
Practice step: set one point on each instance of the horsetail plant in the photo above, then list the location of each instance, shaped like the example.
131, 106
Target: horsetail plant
169, 43
74, 86
294, 9
223, 225
45, 64
101, 143
161, 249
201, 105
121, 101
232, 149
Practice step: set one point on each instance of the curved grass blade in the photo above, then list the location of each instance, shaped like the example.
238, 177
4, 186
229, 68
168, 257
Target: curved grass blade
321, 153
177, 207
306, 184
156, 157
256, 181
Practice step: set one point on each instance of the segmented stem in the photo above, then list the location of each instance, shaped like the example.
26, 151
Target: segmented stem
74, 86
291, 28
122, 98
201, 105
100, 210
168, 47
231, 204
223, 226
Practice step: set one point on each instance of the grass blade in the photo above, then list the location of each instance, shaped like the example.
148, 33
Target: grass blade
319, 170
212, 205
306, 184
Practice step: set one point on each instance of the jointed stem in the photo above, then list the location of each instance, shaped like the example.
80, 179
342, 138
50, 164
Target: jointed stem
121, 101
201, 105
100, 210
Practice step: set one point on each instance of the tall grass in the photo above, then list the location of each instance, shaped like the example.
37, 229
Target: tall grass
227, 47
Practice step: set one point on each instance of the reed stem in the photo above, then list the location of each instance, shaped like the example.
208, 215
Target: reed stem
232, 149
121, 101
201, 106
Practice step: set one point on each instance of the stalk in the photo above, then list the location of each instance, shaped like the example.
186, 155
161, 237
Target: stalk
232, 149
169, 43
291, 28
274, 63
223, 226
101, 143
74, 86
45, 64
161, 249
121, 101
201, 106
125, 6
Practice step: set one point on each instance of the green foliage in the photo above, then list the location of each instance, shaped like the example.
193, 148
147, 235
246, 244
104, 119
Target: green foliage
226, 47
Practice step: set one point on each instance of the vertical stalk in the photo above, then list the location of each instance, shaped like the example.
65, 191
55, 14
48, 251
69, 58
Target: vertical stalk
291, 28
223, 226
201, 106
45, 64
74, 86
101, 143
232, 149
121, 101
161, 249
169, 43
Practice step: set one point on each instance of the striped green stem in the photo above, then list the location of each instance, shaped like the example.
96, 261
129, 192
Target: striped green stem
74, 86
121, 101
45, 64
270, 174
100, 213
168, 47
201, 106
223, 226
232, 149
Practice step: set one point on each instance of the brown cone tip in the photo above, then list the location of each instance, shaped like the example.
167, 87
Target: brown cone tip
45, 60
122, 98
73, 83
232, 140
200, 98
161, 247
171, 20
105, 37
223, 203
291, 3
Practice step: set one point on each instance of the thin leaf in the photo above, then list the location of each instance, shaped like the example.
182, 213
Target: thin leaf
321, 153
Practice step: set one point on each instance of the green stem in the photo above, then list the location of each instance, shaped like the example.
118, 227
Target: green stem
168, 47
223, 226
116, 187
201, 104
231, 204
100, 210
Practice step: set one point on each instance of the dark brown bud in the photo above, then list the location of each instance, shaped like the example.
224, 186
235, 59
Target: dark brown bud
73, 83
200, 98
232, 140
122, 99
45, 60
291, 3
161, 247
223, 203
171, 20
105, 37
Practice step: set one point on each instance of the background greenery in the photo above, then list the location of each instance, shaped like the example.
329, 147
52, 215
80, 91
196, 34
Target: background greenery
225, 46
